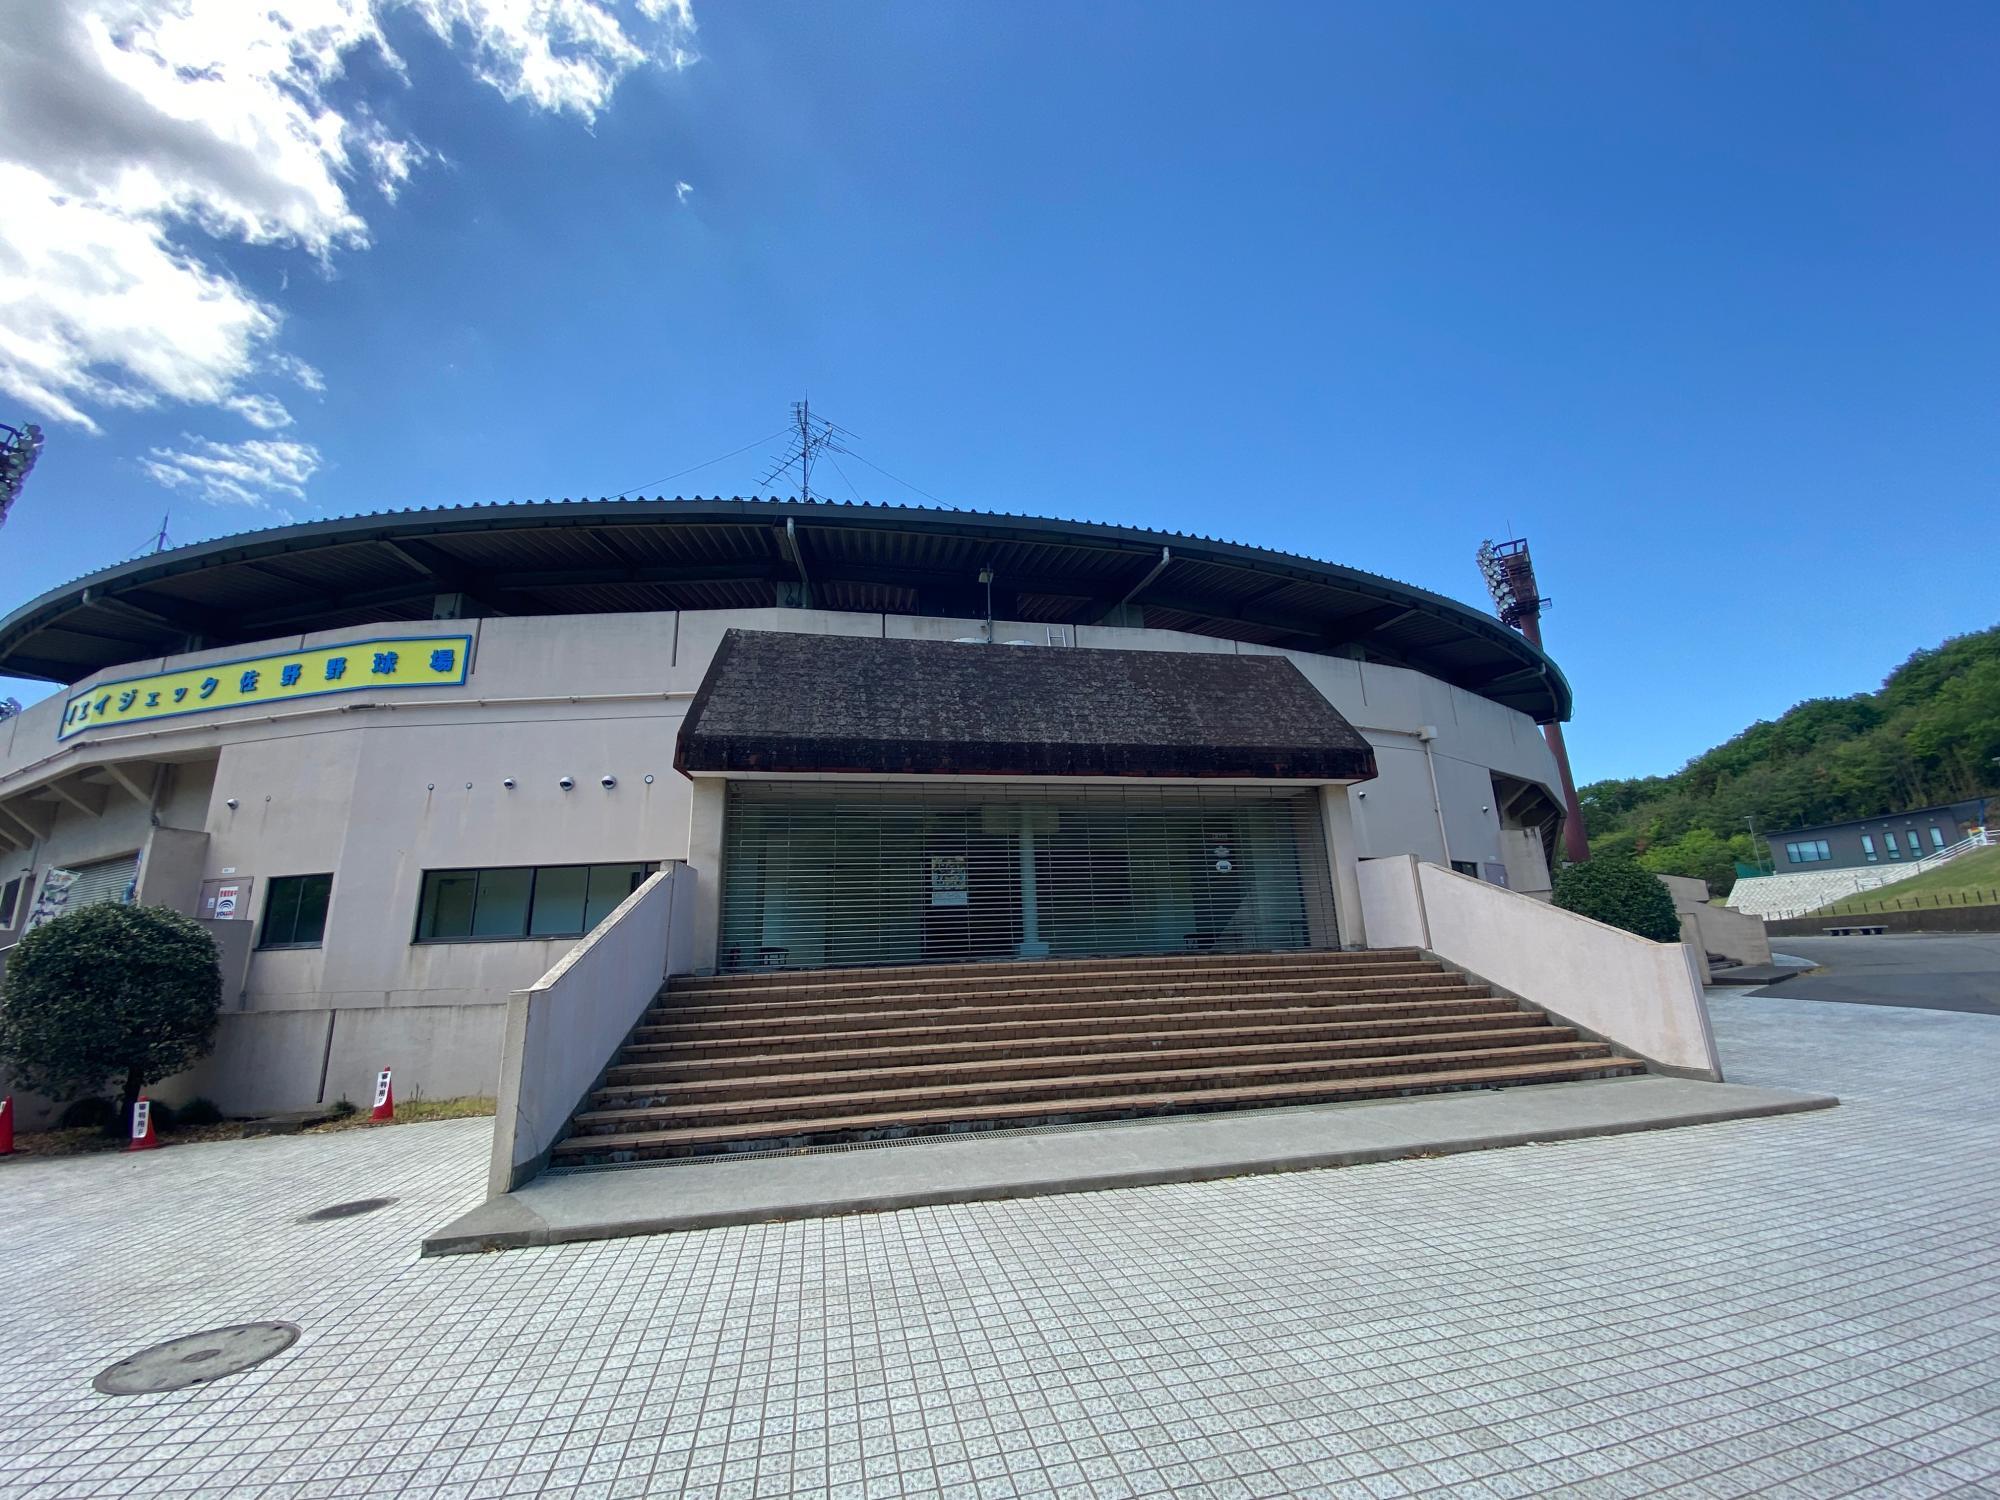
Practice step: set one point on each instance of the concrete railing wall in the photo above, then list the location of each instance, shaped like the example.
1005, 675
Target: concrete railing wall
1715, 929
561, 1032
1645, 997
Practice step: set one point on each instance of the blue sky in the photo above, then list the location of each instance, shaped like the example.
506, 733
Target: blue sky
1701, 299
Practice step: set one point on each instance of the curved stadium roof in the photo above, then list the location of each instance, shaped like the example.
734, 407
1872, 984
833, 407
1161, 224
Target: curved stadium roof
608, 556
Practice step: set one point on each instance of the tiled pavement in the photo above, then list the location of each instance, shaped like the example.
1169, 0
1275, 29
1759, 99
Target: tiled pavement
1802, 1306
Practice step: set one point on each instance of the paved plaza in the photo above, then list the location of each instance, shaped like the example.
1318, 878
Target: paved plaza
1800, 1306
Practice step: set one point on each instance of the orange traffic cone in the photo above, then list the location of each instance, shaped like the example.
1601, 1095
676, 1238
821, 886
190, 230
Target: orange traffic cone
143, 1138
385, 1099
7, 1126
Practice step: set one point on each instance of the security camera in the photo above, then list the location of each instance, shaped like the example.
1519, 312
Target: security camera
508, 782
566, 783
607, 782
230, 804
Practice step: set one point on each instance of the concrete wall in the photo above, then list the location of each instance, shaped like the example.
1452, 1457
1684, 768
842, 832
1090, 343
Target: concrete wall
561, 1031
377, 789
1645, 997
1715, 929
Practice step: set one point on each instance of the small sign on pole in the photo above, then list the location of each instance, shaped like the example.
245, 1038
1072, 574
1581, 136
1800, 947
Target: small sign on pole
385, 1098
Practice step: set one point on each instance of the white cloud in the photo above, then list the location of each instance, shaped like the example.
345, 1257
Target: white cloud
265, 412
137, 134
683, 191
297, 371
247, 473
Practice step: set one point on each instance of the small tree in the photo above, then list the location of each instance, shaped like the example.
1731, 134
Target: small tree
109, 992
1615, 890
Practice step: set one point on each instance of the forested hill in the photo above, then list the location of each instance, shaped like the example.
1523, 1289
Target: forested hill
1930, 735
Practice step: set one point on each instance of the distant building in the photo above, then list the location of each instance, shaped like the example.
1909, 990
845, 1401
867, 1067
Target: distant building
1893, 838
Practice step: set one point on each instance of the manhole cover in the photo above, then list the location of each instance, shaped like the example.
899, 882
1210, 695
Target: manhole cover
196, 1359
345, 1210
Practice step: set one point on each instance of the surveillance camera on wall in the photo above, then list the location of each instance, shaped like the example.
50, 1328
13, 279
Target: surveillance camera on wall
230, 804
507, 782
607, 782
566, 783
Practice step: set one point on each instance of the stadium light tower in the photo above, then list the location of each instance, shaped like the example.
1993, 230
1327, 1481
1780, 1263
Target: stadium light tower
1510, 578
19, 448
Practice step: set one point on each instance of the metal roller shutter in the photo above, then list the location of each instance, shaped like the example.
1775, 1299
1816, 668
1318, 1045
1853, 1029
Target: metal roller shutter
819, 875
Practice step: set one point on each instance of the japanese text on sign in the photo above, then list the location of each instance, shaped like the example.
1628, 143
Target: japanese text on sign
417, 661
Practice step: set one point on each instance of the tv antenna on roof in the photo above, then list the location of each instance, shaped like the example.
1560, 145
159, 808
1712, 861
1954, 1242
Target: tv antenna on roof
155, 543
810, 437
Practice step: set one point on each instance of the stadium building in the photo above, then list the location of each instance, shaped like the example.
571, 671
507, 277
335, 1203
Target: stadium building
401, 764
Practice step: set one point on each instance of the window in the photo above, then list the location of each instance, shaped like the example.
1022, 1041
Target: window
10, 900
1868, 847
1937, 842
1466, 867
522, 901
1889, 838
295, 911
1916, 844
1812, 851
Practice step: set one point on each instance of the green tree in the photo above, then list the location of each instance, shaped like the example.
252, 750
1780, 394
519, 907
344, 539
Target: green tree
1617, 891
109, 994
1929, 735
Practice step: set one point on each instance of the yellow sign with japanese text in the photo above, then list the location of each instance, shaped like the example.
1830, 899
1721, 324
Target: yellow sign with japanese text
359, 666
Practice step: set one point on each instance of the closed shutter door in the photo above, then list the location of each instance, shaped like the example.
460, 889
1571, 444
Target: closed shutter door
819, 876
106, 880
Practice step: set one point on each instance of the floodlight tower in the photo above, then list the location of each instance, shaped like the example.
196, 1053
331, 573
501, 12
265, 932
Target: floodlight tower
1510, 578
19, 448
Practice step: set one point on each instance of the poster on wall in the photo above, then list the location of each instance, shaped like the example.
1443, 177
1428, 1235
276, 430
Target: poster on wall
948, 880
225, 902
53, 899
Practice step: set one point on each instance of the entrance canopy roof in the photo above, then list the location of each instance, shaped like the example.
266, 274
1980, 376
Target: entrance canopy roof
607, 556
805, 704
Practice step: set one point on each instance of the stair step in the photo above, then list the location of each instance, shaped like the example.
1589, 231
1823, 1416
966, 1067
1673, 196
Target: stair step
664, 1144
673, 1004
642, 1086
1027, 1091
960, 972
835, 983
778, 1054
1052, 1019
681, 1022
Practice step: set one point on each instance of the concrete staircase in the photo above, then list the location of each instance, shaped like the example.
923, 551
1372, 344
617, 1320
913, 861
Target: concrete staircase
780, 1060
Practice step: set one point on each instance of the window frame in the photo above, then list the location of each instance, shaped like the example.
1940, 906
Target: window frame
646, 867
11, 891
273, 884
1868, 847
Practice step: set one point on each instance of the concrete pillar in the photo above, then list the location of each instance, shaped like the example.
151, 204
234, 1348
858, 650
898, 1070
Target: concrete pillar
1337, 814
1032, 943
704, 862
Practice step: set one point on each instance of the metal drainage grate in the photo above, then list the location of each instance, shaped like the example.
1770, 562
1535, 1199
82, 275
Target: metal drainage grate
196, 1359
345, 1210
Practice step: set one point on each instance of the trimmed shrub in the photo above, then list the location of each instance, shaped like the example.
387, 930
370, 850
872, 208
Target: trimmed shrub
1614, 890
198, 1111
98, 1114
106, 995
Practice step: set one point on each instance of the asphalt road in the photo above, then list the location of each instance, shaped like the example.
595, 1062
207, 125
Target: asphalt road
1943, 972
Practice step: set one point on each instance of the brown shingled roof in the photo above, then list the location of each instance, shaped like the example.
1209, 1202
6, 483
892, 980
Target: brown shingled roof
776, 702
